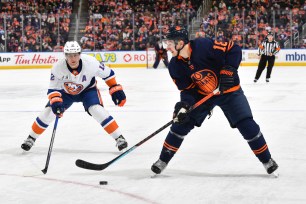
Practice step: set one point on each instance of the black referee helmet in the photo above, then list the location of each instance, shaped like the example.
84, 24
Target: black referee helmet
270, 33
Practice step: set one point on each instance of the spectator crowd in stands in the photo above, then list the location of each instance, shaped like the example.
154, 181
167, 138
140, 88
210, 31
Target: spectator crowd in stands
43, 25
248, 22
112, 22
35, 25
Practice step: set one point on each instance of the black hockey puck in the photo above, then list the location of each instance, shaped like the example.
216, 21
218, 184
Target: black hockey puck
103, 182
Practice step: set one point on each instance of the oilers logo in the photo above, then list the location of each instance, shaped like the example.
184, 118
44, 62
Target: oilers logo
73, 88
206, 80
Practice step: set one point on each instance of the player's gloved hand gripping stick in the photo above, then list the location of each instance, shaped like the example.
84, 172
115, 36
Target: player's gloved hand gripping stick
227, 78
118, 96
99, 167
56, 103
181, 114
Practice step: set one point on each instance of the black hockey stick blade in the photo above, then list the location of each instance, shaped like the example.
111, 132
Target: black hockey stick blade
45, 170
91, 166
99, 167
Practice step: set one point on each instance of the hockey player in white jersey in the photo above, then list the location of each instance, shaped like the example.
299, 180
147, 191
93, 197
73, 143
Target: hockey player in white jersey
73, 79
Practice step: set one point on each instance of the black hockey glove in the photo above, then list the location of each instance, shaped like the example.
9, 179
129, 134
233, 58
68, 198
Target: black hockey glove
180, 114
117, 94
56, 103
226, 79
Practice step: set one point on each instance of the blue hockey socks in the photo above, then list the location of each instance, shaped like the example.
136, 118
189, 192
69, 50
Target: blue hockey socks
251, 133
172, 143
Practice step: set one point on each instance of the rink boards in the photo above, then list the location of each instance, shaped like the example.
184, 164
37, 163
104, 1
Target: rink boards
134, 59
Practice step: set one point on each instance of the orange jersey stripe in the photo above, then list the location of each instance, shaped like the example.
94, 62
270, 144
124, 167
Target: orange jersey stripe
170, 147
115, 88
110, 128
37, 129
111, 82
230, 45
261, 150
54, 94
235, 88
182, 58
55, 99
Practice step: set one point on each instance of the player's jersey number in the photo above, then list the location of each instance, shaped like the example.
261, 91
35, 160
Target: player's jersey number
220, 45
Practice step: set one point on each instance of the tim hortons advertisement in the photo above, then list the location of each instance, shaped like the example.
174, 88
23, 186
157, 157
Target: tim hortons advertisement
134, 59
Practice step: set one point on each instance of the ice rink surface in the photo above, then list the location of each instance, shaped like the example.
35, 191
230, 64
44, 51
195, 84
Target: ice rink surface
214, 164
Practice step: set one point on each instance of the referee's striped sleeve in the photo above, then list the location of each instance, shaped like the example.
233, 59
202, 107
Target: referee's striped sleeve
269, 48
260, 48
277, 48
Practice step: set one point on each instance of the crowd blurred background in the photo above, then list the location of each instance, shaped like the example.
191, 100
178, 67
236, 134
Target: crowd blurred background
107, 25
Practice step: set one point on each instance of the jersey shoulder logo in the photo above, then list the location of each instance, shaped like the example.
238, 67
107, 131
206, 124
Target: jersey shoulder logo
73, 88
101, 66
206, 80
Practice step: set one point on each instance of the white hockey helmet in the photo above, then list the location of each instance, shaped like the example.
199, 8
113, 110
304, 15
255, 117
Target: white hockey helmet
72, 47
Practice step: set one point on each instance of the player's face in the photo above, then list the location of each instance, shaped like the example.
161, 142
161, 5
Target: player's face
73, 59
170, 46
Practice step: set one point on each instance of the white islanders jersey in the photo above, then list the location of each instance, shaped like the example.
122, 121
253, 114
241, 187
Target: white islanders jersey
63, 79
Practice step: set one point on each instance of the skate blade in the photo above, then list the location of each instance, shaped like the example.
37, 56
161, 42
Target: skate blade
154, 176
23, 152
275, 174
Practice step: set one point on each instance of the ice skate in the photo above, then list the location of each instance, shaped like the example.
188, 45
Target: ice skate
28, 143
255, 80
271, 167
121, 143
158, 166
267, 80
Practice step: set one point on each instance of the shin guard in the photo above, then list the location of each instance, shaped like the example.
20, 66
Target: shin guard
252, 134
171, 145
42, 122
105, 119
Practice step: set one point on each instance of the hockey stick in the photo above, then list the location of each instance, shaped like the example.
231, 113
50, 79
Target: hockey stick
51, 146
99, 167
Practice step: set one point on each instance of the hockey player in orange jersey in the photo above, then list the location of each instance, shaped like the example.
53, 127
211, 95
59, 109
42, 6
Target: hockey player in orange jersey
198, 67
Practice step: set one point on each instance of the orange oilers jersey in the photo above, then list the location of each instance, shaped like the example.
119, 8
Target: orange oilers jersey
75, 83
200, 73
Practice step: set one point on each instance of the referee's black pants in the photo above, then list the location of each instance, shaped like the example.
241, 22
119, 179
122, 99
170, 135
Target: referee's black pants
262, 65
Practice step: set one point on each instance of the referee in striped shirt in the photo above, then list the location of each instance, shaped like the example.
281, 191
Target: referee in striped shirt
268, 48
